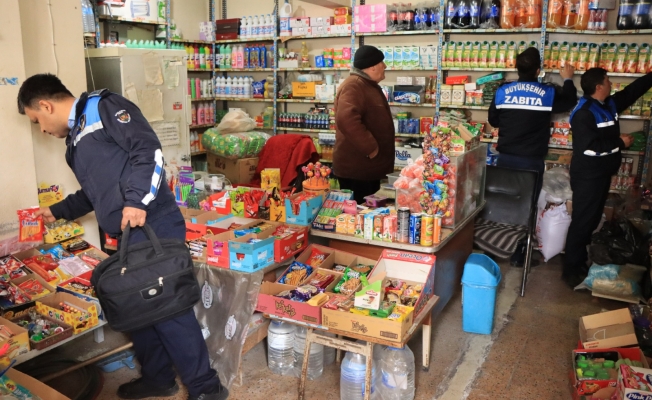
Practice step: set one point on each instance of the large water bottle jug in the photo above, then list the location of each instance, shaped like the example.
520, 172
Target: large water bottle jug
316, 359
352, 376
397, 373
280, 348
88, 19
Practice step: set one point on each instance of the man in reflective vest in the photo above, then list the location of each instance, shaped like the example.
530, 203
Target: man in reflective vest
521, 111
597, 146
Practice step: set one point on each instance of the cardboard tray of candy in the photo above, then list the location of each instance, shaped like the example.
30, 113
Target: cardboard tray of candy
47, 341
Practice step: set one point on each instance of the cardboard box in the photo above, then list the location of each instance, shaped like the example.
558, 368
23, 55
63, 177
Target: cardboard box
321, 21
217, 249
207, 31
203, 224
301, 22
307, 211
608, 210
49, 306
339, 29
607, 330
34, 386
291, 245
237, 171
277, 212
457, 80
220, 202
19, 343
270, 304
251, 257
325, 92
634, 383
50, 340
86, 280
304, 89
410, 267
585, 388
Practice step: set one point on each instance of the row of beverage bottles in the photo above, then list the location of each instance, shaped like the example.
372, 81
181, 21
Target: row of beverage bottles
227, 56
508, 14
202, 113
253, 27
238, 87
305, 121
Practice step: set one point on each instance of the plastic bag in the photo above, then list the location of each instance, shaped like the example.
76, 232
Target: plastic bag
556, 183
236, 121
235, 145
619, 242
614, 280
410, 198
552, 227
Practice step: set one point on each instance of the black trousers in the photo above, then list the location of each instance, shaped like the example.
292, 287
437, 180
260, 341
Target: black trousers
176, 343
360, 188
589, 197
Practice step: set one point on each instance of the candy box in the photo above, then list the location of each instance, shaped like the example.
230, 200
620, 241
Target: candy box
204, 224
50, 340
634, 383
16, 381
290, 243
306, 212
18, 343
251, 253
83, 316
61, 230
217, 249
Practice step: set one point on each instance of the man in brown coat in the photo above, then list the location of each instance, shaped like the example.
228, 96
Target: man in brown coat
364, 141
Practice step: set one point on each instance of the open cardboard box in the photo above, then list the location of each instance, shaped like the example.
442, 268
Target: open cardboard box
204, 224
190, 213
585, 388
607, 330
84, 279
296, 310
307, 211
37, 278
49, 306
217, 249
220, 202
251, 257
36, 387
411, 267
291, 244
19, 342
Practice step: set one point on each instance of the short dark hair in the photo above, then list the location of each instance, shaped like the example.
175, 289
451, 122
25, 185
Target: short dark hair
40, 87
528, 62
591, 79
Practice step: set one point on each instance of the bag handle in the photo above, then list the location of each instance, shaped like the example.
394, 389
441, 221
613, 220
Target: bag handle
149, 232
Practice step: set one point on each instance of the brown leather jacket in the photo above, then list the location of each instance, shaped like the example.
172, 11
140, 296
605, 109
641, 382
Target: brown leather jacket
364, 124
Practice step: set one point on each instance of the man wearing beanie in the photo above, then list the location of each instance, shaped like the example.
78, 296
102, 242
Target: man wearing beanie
521, 111
364, 140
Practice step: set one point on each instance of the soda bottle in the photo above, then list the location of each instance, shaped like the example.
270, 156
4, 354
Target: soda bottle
474, 14
520, 13
583, 15
641, 17
534, 14
568, 14
625, 19
451, 15
463, 14
602, 26
408, 18
393, 17
507, 14
554, 13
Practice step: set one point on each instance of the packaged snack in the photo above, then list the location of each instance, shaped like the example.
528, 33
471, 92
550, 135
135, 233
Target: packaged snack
349, 282
33, 289
30, 227
321, 281
296, 273
9, 264
362, 269
384, 311
339, 268
61, 230
304, 293
91, 259
334, 301
74, 266
316, 258
79, 287
57, 252
399, 313
359, 311
318, 300
395, 286
75, 245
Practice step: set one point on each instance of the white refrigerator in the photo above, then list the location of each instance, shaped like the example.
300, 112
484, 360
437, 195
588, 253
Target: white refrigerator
156, 81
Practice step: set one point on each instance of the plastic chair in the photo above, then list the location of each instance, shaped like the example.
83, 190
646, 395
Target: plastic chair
511, 206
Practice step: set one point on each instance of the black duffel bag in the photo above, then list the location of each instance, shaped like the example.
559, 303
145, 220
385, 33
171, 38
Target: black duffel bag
146, 283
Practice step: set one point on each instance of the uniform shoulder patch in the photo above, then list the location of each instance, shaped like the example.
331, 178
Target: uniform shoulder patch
123, 116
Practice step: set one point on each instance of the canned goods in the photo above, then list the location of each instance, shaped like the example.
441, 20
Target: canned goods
427, 225
415, 229
403, 234
436, 231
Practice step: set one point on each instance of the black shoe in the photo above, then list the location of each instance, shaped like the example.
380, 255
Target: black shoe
221, 394
139, 389
572, 280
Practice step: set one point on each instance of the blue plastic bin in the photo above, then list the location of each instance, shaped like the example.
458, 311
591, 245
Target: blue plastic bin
479, 282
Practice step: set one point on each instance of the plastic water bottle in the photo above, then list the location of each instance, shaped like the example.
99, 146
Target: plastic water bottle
316, 359
397, 373
352, 376
280, 348
88, 19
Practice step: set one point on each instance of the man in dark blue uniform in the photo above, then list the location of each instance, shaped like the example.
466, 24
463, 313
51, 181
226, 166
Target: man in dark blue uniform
521, 111
117, 159
597, 145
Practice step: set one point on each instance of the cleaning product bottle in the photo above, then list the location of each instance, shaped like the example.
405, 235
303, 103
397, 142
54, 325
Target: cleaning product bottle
234, 57
247, 50
243, 28
263, 56
239, 57
254, 26
268, 26
202, 58
209, 57
227, 56
285, 12
200, 114
250, 27
228, 92
193, 112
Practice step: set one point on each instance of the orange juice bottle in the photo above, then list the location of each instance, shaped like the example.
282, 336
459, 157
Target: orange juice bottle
583, 15
533, 14
568, 14
554, 13
507, 14
520, 13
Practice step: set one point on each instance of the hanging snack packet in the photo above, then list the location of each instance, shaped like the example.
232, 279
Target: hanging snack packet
316, 258
296, 273
30, 227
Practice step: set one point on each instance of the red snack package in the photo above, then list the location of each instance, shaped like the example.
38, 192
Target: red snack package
316, 258
45, 261
90, 260
30, 227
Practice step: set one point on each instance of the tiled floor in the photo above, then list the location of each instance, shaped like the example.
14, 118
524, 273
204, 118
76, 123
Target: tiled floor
528, 355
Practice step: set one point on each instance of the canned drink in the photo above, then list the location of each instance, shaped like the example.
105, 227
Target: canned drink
403, 234
415, 229
427, 226
436, 229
